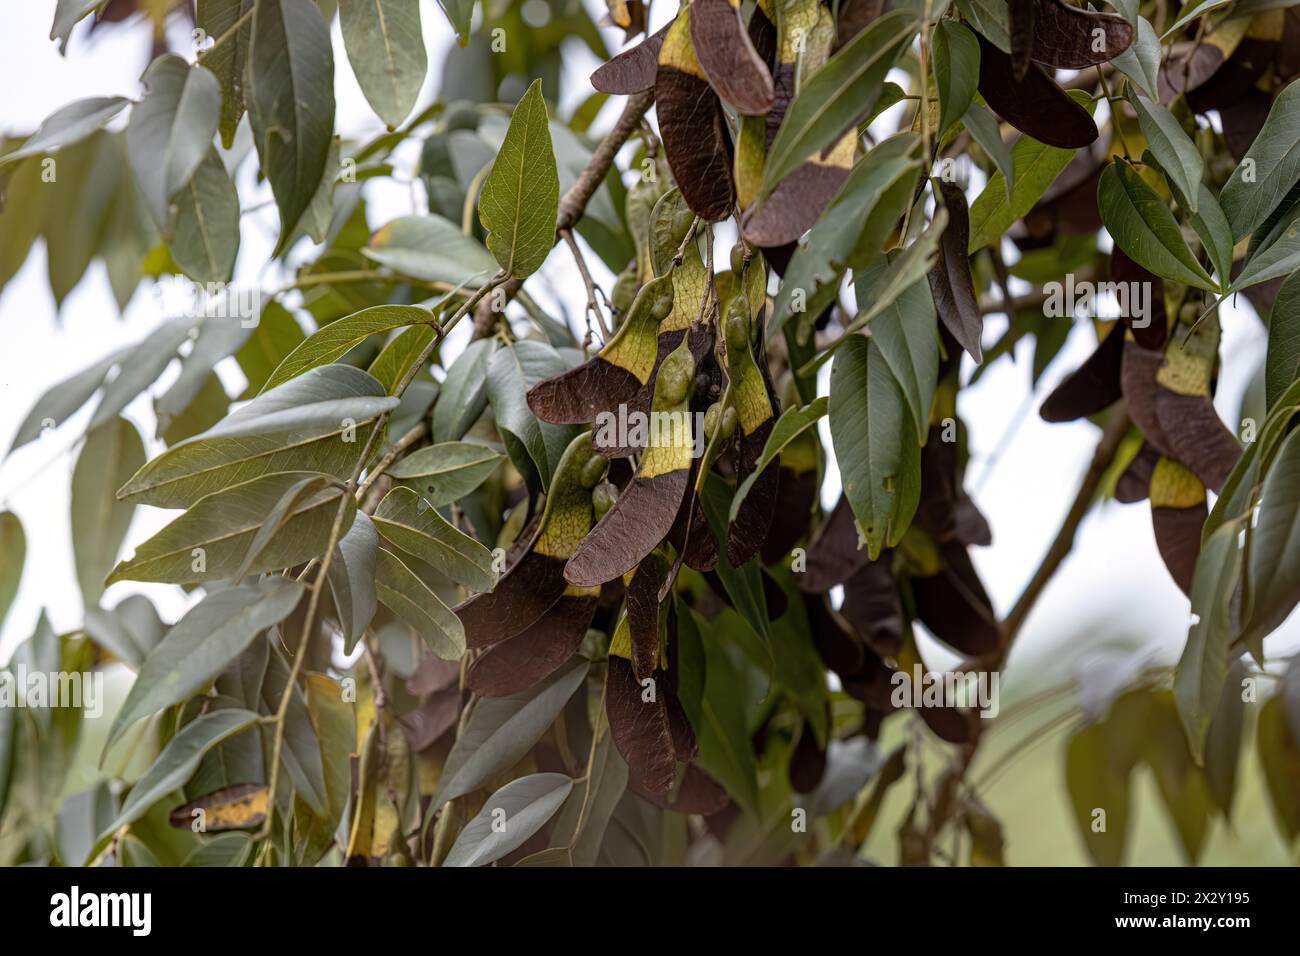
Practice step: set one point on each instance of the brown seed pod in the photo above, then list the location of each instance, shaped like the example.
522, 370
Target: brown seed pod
950, 278
1138, 383
954, 605
633, 70
1134, 484
873, 608
1152, 335
1021, 30
643, 585
1178, 512
241, 806
728, 58
796, 497
807, 763
616, 375
834, 554
531, 585
647, 509
693, 126
1034, 105
1091, 387
539, 650
1065, 36
638, 721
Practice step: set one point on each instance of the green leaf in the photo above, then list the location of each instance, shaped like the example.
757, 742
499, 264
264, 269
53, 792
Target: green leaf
464, 392
296, 495
67, 125
744, 585
403, 592
991, 18
204, 229
1198, 679
203, 643
175, 765
534, 447
211, 540
171, 131
129, 631
1279, 758
508, 818
834, 98
273, 338
1097, 787
430, 248
217, 339
335, 340
460, 13
956, 70
301, 754
521, 195
290, 94
67, 14
1275, 546
501, 730
873, 437
314, 422
13, 555
1036, 167
580, 827
726, 751
1142, 225
113, 452
352, 579
1268, 170
1141, 61
1172, 147
446, 472
385, 46
794, 421
869, 202
1192, 13
1278, 256
140, 366
907, 335
405, 519
228, 59
983, 128
393, 361
1282, 366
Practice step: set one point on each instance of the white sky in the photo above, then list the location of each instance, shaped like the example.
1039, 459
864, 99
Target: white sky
1112, 586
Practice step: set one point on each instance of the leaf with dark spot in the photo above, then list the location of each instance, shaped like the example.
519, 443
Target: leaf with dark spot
1177, 513
1065, 36
1034, 105
728, 58
950, 278
1091, 387
633, 70
693, 126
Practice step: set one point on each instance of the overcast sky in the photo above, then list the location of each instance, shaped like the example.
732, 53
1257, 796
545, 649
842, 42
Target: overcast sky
1112, 585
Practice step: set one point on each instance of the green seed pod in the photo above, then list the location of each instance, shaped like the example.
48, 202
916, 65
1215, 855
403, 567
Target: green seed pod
674, 381
592, 471
1189, 312
737, 328
662, 308
603, 497
738, 258
729, 419
711, 419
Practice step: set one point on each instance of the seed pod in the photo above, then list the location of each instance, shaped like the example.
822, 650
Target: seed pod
592, 472
712, 418
603, 497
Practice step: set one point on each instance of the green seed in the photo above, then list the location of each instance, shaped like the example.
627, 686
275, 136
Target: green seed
662, 307
738, 258
711, 419
603, 497
737, 327
592, 471
729, 419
